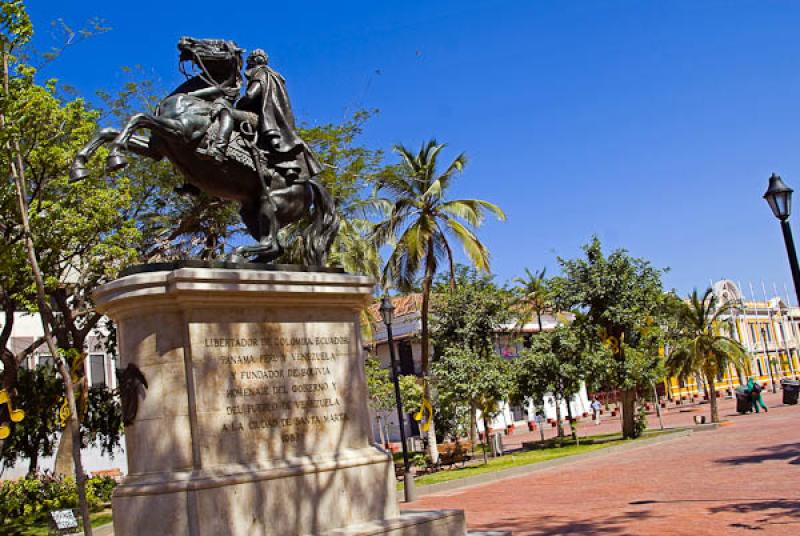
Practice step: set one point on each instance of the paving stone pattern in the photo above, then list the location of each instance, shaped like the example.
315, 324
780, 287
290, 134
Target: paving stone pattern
742, 478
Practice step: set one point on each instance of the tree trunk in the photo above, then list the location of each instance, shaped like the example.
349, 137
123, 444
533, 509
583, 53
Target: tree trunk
473, 423
486, 432
629, 413
571, 420
33, 463
427, 282
712, 396
381, 435
18, 173
559, 425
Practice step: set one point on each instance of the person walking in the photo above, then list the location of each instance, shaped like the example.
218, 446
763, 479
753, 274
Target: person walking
595, 405
755, 395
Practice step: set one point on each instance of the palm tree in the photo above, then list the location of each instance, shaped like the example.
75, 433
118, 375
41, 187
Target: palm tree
698, 348
533, 296
420, 224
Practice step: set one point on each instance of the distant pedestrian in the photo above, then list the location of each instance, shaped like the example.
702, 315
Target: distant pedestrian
755, 395
595, 411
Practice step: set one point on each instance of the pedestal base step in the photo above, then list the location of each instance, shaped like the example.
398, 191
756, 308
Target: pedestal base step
416, 523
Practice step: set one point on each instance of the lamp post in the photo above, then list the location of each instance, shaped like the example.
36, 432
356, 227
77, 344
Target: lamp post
779, 198
769, 360
387, 314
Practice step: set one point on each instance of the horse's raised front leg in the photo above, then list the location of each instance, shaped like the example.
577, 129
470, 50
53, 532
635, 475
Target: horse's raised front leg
168, 127
138, 144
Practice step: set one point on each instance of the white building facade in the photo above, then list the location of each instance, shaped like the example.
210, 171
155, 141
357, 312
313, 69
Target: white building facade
99, 368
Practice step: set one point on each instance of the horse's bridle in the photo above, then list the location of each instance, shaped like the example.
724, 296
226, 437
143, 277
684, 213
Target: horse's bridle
206, 76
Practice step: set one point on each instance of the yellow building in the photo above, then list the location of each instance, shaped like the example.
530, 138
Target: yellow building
769, 329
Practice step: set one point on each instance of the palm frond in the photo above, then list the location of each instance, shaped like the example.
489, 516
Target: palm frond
475, 250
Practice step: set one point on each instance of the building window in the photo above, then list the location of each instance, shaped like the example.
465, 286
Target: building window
783, 335
97, 366
760, 371
45, 360
768, 333
753, 334
406, 358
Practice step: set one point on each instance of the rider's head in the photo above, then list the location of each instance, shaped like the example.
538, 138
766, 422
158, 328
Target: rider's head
257, 57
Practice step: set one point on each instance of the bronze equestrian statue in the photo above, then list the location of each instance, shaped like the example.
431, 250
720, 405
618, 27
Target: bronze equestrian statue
243, 148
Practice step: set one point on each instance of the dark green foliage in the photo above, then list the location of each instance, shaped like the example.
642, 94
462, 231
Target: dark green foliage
102, 424
39, 394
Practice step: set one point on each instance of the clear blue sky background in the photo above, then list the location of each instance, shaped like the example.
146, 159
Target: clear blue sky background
651, 124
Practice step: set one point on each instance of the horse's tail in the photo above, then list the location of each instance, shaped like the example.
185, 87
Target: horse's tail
318, 237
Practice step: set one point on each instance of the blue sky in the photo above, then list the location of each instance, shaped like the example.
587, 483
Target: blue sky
651, 124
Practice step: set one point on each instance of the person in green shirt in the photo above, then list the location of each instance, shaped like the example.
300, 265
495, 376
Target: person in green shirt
755, 394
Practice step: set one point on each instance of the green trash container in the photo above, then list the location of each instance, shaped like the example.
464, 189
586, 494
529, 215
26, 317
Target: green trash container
791, 390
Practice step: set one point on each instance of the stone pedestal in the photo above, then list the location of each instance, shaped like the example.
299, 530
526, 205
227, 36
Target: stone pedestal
255, 419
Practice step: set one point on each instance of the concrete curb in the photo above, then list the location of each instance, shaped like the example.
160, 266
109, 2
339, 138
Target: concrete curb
470, 481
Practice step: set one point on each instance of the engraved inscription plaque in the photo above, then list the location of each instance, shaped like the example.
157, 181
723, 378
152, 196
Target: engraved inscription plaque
268, 390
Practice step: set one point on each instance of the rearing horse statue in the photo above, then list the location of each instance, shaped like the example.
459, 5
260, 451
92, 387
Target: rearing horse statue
263, 164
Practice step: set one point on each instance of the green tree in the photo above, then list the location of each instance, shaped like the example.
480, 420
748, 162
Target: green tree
467, 316
382, 396
38, 133
465, 378
40, 394
554, 364
421, 223
698, 349
533, 297
381, 391
618, 301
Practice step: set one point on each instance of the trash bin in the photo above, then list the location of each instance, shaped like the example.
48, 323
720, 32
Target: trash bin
744, 403
497, 444
791, 390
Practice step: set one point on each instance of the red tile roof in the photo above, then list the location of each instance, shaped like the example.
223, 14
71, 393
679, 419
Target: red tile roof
403, 305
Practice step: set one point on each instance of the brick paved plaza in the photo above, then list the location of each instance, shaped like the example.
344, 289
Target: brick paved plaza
739, 478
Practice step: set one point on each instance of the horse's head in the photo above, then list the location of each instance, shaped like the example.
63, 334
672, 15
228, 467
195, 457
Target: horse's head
218, 57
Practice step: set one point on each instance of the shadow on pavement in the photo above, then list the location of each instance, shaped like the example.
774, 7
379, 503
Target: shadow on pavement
787, 451
775, 512
617, 524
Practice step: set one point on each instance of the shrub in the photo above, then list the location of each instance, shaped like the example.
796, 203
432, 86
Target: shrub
102, 487
27, 501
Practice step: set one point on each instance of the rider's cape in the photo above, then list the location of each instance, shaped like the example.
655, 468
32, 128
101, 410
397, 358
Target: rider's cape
277, 121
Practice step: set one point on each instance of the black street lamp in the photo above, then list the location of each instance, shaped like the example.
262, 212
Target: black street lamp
387, 314
779, 197
769, 359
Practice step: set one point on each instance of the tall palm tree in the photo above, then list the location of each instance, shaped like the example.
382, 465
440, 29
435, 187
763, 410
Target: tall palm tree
533, 296
421, 223
698, 349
